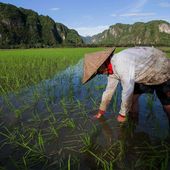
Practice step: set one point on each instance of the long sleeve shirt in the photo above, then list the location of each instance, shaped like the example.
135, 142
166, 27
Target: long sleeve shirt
145, 65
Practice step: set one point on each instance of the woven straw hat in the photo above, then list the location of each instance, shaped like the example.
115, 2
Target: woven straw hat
93, 61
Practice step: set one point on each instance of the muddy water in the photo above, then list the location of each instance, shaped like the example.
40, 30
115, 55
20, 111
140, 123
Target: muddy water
68, 99
67, 86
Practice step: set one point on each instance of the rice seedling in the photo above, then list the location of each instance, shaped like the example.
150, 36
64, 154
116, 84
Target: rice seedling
150, 102
55, 129
115, 102
153, 157
21, 68
98, 159
86, 140
69, 162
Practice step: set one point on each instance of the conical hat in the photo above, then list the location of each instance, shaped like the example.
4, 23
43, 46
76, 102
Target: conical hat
93, 61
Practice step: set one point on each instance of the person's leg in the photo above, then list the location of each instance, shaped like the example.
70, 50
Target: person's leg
163, 93
138, 90
167, 111
134, 112
167, 107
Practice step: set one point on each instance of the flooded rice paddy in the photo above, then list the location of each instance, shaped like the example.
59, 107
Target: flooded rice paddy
50, 125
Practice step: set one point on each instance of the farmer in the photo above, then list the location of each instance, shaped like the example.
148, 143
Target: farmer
138, 69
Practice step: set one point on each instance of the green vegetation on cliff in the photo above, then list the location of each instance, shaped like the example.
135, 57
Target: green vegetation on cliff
151, 33
24, 28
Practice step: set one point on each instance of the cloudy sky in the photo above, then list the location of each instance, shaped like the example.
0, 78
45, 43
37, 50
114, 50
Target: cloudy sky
90, 17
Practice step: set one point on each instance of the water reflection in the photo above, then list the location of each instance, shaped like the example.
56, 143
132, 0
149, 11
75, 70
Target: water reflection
61, 108
67, 87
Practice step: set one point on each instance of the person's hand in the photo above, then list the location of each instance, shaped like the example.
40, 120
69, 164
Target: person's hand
99, 114
121, 118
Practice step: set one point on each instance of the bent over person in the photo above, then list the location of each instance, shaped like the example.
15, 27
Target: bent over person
138, 69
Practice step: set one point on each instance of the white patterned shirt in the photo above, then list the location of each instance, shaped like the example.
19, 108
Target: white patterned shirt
146, 65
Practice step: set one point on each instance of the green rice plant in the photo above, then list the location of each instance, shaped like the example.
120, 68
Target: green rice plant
50, 110
41, 141
82, 110
101, 162
165, 162
67, 122
108, 165
7, 102
32, 137
52, 116
27, 140
22, 68
86, 140
165, 49
70, 123
69, 162
63, 104
20, 111
150, 102
94, 128
53, 129
25, 162
36, 117
121, 154
153, 156
9, 136
95, 105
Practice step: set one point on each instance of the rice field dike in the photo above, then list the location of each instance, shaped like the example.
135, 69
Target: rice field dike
46, 117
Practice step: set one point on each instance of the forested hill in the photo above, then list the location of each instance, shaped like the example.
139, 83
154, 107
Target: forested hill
22, 28
151, 33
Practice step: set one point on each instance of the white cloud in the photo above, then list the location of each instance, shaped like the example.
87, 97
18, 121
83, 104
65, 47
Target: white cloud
54, 9
133, 9
90, 31
138, 5
165, 4
137, 14
114, 15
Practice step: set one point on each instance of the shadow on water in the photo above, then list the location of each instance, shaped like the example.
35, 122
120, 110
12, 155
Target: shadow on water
52, 123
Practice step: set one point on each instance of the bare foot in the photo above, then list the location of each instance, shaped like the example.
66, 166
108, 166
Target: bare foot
121, 118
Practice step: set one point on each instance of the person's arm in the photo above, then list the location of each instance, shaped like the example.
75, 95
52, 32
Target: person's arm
127, 94
125, 67
108, 93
